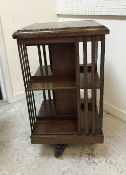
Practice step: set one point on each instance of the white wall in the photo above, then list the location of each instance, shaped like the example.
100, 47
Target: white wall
4, 72
16, 14
115, 63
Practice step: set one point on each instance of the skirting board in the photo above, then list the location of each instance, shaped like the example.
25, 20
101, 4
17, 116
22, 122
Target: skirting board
107, 106
19, 96
119, 113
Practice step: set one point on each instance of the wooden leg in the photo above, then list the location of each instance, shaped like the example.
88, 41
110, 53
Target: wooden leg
59, 149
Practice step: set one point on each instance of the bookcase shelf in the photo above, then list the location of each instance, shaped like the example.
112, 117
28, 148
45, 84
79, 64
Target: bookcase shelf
48, 119
47, 81
47, 111
64, 116
54, 84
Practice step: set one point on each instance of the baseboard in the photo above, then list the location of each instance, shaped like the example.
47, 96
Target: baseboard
117, 112
19, 96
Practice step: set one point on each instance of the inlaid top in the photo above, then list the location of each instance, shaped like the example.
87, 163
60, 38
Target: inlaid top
70, 28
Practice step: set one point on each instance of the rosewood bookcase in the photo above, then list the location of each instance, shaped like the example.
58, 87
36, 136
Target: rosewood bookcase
71, 77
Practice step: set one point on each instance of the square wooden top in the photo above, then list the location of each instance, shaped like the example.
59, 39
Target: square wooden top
55, 29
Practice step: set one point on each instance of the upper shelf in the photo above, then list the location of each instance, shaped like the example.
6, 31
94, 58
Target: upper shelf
47, 85
59, 29
43, 80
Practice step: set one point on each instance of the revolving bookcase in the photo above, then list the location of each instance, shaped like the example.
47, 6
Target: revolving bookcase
70, 76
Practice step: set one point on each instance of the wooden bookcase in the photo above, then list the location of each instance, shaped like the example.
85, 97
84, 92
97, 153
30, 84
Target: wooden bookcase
65, 116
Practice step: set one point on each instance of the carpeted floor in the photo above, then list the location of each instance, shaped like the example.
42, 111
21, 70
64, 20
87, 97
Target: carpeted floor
19, 157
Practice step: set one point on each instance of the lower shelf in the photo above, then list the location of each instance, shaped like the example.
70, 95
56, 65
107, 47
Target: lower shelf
61, 127
53, 128
48, 112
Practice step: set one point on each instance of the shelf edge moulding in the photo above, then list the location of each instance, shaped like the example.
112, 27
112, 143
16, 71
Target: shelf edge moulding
91, 7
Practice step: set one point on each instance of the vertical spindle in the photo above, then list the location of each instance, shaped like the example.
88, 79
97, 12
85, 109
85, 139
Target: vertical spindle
40, 59
78, 86
46, 69
93, 73
85, 85
41, 67
96, 51
101, 81
50, 58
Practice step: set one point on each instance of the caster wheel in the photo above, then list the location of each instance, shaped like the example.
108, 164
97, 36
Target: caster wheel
59, 149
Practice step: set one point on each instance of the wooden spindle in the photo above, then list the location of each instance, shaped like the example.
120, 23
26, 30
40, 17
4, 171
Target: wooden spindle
93, 86
49, 95
41, 67
85, 85
101, 81
50, 58
45, 60
96, 51
40, 59
46, 69
78, 86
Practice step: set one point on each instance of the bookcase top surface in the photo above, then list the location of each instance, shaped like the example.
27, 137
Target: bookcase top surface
56, 29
